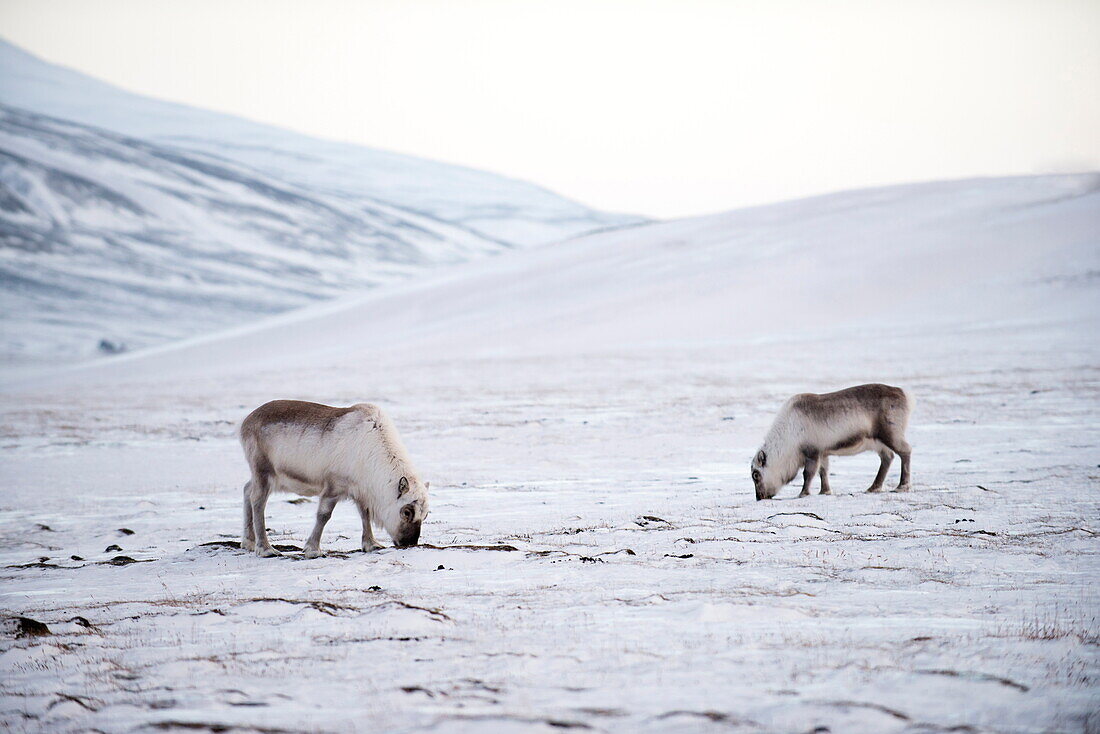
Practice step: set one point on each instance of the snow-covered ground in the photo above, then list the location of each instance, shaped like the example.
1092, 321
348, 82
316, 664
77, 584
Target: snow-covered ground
586, 413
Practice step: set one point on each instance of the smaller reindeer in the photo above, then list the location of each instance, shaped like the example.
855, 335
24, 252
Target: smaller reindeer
810, 428
330, 453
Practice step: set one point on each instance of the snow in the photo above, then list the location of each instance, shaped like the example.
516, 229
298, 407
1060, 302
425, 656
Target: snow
490, 205
586, 414
111, 237
142, 222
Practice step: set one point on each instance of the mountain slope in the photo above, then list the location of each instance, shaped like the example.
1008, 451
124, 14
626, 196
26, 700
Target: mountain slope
497, 207
127, 222
882, 262
108, 237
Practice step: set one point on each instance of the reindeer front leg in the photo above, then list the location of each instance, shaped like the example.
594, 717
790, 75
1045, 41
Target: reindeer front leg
808, 471
325, 505
369, 543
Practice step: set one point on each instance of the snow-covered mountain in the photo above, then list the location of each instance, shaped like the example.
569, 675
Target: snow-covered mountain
920, 258
137, 221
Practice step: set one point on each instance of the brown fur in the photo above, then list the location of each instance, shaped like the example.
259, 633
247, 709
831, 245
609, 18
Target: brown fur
878, 414
298, 412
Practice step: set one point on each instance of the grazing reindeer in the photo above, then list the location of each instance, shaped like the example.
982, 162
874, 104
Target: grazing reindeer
332, 453
810, 428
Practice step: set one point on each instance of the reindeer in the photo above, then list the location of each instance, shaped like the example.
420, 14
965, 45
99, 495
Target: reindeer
810, 428
330, 453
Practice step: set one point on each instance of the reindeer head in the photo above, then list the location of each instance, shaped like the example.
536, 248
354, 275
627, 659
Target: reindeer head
410, 510
764, 478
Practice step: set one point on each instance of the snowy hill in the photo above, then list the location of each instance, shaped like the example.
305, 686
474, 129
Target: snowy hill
586, 413
919, 258
139, 221
109, 237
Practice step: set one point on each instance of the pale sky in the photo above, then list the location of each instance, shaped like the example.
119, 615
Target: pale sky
658, 108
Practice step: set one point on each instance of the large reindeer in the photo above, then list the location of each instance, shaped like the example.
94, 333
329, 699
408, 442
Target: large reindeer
330, 453
810, 428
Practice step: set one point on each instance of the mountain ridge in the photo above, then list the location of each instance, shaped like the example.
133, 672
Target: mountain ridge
914, 258
123, 226
37, 85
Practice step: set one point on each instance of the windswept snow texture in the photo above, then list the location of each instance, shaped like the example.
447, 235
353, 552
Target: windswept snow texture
140, 221
586, 414
112, 237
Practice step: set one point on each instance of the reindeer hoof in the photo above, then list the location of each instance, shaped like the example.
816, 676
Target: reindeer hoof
312, 553
248, 544
902, 488
874, 490
369, 547
826, 491
804, 493
267, 552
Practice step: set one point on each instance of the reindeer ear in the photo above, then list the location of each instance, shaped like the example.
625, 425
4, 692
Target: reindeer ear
402, 486
762, 458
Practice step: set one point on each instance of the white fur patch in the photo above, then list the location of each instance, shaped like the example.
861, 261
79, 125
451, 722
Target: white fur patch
359, 456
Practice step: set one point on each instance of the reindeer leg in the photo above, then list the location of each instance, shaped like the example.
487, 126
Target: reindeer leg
808, 474
904, 451
325, 504
886, 457
248, 534
824, 473
261, 488
369, 543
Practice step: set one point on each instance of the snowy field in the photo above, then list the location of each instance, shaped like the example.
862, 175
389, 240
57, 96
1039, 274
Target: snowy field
586, 413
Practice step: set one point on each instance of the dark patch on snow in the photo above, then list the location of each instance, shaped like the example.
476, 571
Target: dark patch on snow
806, 514
710, 715
27, 627
236, 545
124, 561
110, 346
216, 728
325, 607
418, 689
498, 547
970, 675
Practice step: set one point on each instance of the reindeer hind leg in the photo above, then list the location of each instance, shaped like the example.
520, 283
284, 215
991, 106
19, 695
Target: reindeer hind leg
823, 473
261, 488
248, 533
904, 452
886, 457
